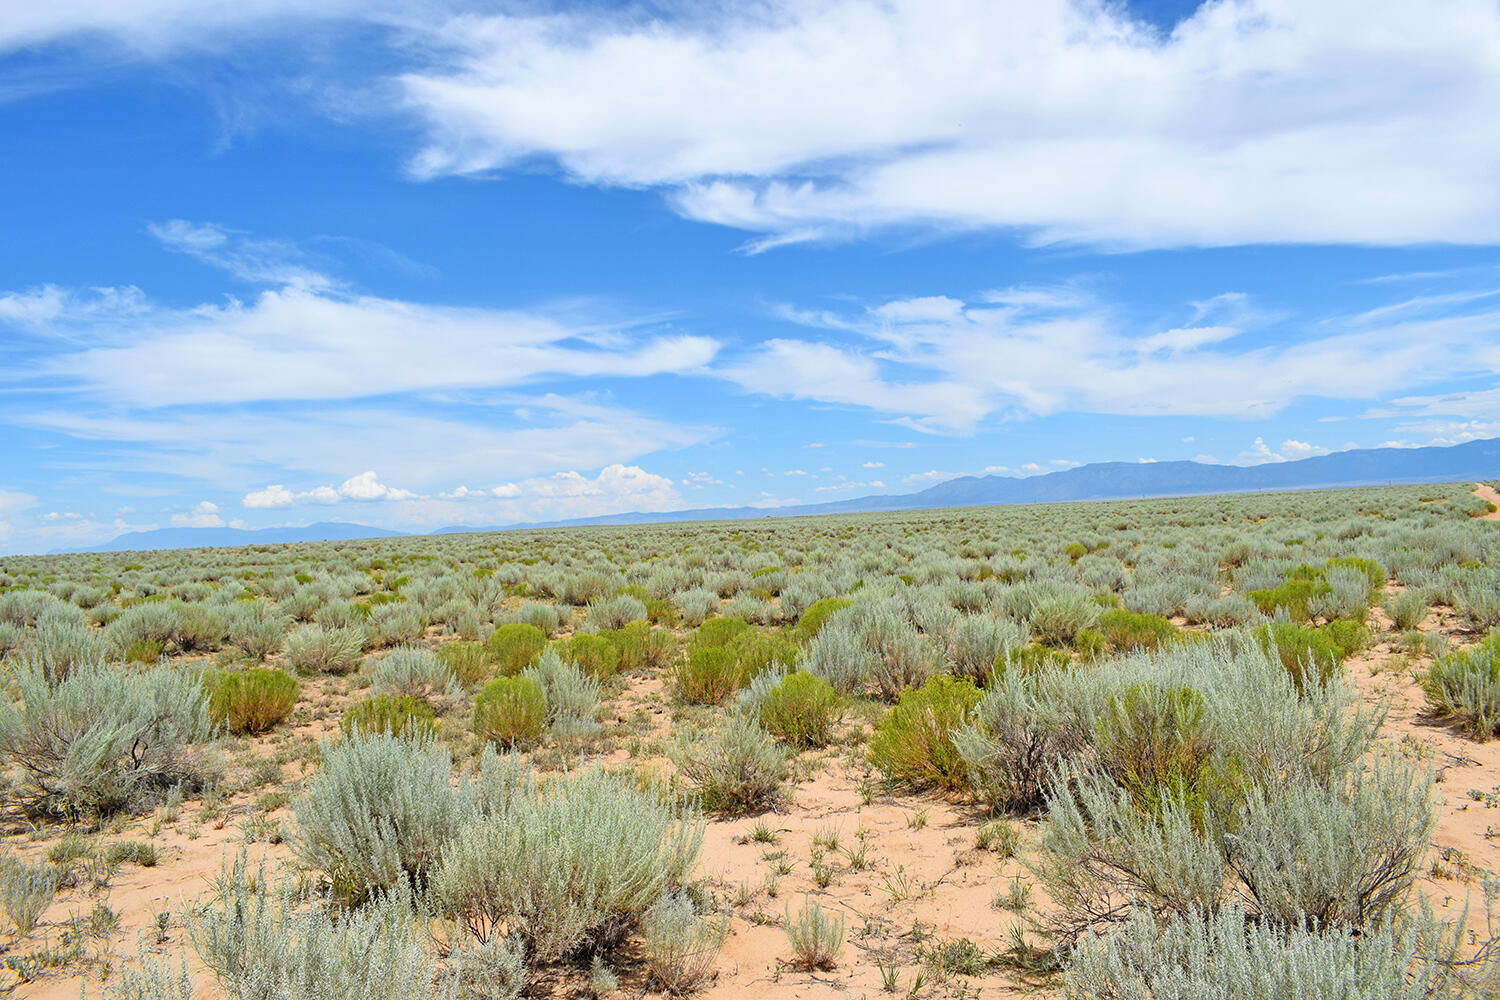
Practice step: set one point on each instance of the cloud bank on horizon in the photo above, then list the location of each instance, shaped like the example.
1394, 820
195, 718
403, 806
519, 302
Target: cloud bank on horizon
417, 265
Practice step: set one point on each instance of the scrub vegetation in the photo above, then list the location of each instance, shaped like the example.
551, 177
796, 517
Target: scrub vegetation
1178, 748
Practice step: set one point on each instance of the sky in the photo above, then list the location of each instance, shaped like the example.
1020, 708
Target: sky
417, 264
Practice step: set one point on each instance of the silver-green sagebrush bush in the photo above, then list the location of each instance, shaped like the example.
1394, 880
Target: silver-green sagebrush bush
414, 672
817, 940
737, 768
1203, 956
681, 944
573, 697
377, 813
263, 939
26, 890
326, 649
1466, 684
102, 739
561, 862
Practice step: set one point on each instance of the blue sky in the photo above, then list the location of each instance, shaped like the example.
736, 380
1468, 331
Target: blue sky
420, 264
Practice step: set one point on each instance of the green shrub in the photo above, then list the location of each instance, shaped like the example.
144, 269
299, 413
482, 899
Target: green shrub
718, 633
737, 769
468, 661
1154, 741
1126, 630
377, 813
326, 649
253, 701
708, 675
1030, 659
816, 616
1307, 653
802, 710
1056, 620
511, 711
1294, 596
755, 651
594, 654
144, 651
406, 717
1466, 684
913, 743
513, 648
1348, 636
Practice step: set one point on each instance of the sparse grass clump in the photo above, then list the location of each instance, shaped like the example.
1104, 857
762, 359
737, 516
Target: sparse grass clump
817, 939
681, 944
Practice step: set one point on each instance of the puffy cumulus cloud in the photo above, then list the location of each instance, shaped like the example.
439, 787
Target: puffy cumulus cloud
365, 487
1347, 121
1290, 450
203, 515
616, 489
938, 364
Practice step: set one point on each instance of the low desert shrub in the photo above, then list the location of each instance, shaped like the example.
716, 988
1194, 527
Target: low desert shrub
26, 891
738, 768
572, 697
1228, 953
754, 651
1021, 727
839, 655
1409, 608
1466, 684
594, 654
513, 648
263, 939
377, 813
981, 642
511, 711
816, 939
101, 739
252, 701
399, 716
913, 742
563, 863
681, 945
259, 628
718, 633
708, 675
1126, 630
493, 969
616, 612
801, 710
414, 672
326, 649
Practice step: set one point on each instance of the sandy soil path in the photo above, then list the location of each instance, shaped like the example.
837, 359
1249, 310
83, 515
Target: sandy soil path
1484, 492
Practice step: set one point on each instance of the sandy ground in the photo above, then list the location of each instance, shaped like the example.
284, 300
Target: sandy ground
1488, 493
906, 873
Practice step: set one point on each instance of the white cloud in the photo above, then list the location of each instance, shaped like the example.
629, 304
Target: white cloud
947, 369
1253, 121
367, 486
873, 465
275, 495
1290, 450
617, 488
204, 515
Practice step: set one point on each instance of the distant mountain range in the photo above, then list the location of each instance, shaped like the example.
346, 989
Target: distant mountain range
1099, 481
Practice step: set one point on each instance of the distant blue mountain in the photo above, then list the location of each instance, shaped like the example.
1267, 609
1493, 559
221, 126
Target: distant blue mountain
198, 538
1125, 480
1475, 460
